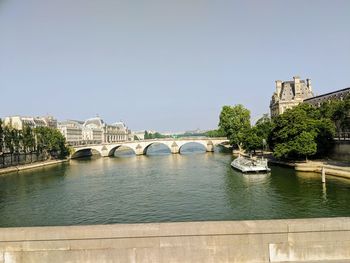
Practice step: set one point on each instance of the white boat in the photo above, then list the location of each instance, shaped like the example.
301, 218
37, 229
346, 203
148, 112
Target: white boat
249, 165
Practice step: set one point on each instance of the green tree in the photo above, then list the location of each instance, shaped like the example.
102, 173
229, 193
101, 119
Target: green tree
16, 139
1, 136
215, 133
51, 141
8, 139
252, 141
256, 137
264, 127
339, 112
305, 144
234, 123
146, 136
28, 139
301, 132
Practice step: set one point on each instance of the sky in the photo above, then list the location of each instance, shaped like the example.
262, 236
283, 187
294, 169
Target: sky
165, 65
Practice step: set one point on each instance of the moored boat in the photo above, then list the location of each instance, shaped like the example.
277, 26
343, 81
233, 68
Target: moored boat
249, 165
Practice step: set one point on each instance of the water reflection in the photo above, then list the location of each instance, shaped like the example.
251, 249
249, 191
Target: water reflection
257, 178
192, 148
157, 149
163, 188
124, 151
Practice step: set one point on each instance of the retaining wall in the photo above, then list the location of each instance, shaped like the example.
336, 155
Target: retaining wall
299, 240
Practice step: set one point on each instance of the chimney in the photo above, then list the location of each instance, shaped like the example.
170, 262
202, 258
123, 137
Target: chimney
278, 87
308, 84
296, 79
297, 88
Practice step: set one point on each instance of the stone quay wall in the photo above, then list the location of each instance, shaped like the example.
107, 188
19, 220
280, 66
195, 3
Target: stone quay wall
290, 240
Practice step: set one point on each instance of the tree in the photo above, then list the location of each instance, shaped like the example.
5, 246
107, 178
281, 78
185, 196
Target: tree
301, 132
16, 139
234, 123
1, 136
28, 139
8, 139
215, 133
146, 136
51, 141
337, 111
264, 127
305, 144
256, 137
252, 141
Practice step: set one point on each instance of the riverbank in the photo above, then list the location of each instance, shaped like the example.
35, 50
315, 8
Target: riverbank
339, 169
19, 168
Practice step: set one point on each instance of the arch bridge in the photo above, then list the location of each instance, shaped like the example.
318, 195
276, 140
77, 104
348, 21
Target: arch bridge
140, 147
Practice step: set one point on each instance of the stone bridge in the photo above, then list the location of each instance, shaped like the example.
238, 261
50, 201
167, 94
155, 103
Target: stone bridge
140, 147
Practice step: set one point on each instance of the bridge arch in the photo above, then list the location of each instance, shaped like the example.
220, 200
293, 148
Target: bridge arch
114, 149
88, 151
155, 143
203, 144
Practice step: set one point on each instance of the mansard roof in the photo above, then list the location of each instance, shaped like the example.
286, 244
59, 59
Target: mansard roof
288, 91
97, 121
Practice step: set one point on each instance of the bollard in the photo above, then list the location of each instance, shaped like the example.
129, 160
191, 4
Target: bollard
323, 175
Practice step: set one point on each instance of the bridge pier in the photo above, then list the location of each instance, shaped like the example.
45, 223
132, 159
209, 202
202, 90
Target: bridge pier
104, 151
210, 147
139, 150
175, 148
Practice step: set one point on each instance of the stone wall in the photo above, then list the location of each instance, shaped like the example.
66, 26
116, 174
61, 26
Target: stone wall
341, 151
298, 240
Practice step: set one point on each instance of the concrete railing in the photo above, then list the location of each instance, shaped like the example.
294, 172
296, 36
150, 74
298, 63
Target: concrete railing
299, 240
342, 136
194, 138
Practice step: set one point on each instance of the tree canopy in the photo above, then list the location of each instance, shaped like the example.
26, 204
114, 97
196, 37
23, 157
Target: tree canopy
256, 137
40, 139
301, 132
234, 123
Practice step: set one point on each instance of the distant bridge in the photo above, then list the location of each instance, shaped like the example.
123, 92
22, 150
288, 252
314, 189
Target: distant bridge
140, 147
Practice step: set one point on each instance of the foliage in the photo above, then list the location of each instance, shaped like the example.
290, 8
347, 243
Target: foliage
234, 123
215, 133
257, 136
41, 140
155, 135
51, 141
252, 141
339, 112
1, 136
301, 132
28, 139
8, 139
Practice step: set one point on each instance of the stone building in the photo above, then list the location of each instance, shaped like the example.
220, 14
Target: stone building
116, 132
334, 95
18, 122
72, 131
93, 131
288, 94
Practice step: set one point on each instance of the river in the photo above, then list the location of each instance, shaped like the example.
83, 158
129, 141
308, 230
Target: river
161, 187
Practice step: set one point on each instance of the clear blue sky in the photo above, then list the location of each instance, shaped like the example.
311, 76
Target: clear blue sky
165, 65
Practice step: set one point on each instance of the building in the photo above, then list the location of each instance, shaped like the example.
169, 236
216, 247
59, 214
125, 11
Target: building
93, 131
334, 95
288, 94
117, 132
18, 122
72, 131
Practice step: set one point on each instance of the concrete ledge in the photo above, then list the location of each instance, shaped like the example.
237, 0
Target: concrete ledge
19, 168
297, 240
316, 167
